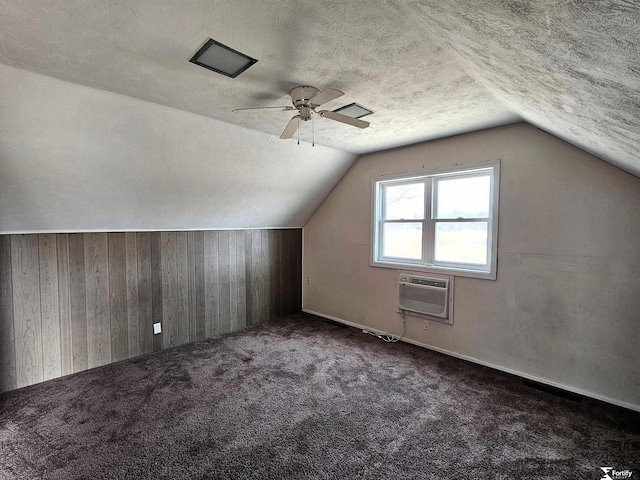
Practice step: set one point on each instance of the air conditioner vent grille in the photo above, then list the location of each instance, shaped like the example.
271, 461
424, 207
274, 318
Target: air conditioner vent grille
425, 295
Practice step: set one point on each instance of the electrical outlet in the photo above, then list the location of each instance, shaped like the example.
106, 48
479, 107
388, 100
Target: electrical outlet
308, 280
427, 325
157, 328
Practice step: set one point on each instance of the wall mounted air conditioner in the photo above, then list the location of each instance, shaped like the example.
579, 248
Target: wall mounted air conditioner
424, 295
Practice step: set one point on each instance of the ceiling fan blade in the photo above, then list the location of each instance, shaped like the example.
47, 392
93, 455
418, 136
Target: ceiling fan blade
291, 127
283, 108
326, 96
338, 117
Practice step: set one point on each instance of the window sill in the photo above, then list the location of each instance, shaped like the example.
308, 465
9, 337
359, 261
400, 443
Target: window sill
457, 272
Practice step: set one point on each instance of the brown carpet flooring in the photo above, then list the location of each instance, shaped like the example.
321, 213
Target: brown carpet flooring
304, 398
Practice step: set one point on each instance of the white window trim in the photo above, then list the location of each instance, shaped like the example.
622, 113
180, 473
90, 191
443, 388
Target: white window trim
419, 265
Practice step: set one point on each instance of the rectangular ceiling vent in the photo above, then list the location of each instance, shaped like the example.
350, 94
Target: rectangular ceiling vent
222, 59
424, 295
354, 110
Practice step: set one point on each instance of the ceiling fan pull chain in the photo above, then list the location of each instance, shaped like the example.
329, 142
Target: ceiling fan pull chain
313, 133
298, 130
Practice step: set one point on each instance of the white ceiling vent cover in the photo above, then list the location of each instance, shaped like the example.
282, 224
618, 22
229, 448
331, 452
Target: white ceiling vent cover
424, 295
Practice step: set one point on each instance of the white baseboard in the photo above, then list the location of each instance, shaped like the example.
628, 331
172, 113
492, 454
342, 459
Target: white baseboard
486, 364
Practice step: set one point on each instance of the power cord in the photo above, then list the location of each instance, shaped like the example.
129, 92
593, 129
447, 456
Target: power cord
388, 337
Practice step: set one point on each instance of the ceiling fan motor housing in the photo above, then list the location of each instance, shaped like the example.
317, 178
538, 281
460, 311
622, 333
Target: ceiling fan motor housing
301, 96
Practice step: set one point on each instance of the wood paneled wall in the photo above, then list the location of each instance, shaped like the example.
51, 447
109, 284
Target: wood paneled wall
69, 302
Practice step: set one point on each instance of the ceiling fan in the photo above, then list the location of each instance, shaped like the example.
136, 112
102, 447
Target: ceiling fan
305, 100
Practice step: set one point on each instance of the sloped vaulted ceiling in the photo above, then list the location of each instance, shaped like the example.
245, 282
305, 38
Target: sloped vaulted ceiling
375, 52
569, 67
427, 68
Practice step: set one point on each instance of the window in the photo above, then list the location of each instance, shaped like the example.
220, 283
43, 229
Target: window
442, 220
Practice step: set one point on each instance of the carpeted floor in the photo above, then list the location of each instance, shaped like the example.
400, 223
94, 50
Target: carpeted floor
304, 398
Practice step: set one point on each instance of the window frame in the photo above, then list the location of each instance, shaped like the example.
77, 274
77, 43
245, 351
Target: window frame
430, 178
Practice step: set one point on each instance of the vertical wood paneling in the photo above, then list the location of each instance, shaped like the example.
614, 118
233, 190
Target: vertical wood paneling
7, 336
211, 283
170, 310
224, 284
131, 264
191, 273
26, 309
296, 273
274, 273
78, 302
294, 270
241, 315
118, 296
64, 304
249, 281
274, 268
282, 261
145, 292
294, 265
198, 247
233, 283
288, 244
96, 270
286, 282
156, 288
291, 266
256, 277
265, 264
49, 307
182, 272
69, 302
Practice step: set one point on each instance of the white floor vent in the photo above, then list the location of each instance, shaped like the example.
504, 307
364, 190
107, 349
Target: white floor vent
425, 295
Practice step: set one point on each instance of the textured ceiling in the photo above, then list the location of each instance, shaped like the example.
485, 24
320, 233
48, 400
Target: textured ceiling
379, 55
428, 69
570, 67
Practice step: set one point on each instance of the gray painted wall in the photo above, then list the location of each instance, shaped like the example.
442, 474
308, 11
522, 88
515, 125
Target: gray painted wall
565, 306
74, 158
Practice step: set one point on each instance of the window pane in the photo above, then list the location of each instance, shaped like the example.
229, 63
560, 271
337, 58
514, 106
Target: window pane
402, 240
466, 197
461, 242
404, 201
